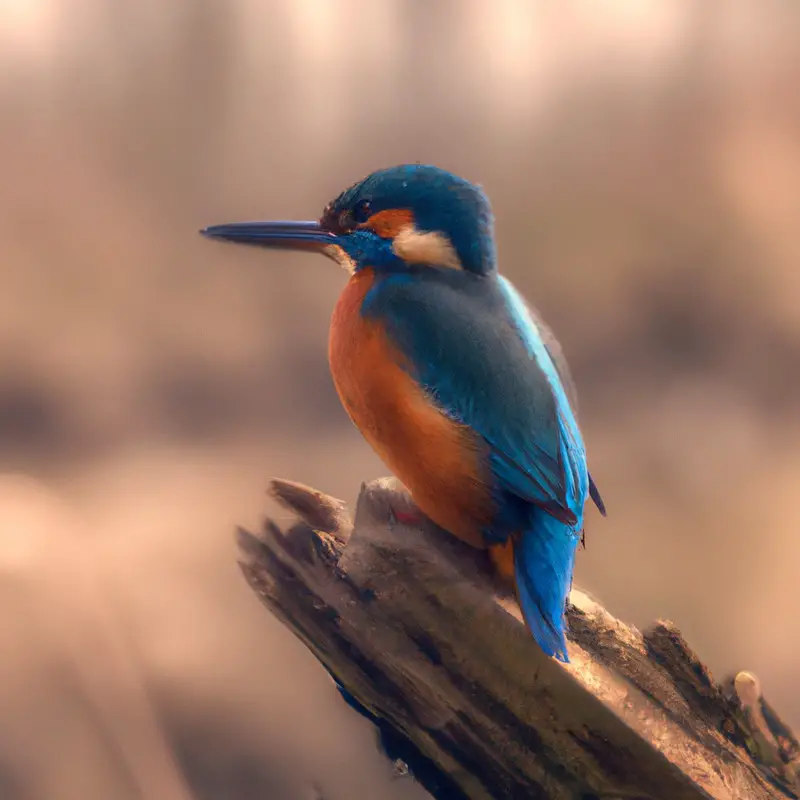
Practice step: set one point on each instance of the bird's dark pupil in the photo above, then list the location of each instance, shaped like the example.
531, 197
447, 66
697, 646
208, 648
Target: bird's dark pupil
361, 213
346, 220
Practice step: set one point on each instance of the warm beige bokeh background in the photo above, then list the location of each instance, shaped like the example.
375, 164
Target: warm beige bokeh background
644, 163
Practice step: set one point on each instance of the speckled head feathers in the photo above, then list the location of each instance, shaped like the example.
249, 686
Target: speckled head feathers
432, 200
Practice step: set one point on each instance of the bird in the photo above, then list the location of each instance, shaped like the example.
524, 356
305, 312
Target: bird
452, 377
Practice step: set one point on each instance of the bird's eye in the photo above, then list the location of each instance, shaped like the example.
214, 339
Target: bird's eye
363, 211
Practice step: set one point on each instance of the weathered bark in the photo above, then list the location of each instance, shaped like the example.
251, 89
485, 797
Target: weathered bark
417, 635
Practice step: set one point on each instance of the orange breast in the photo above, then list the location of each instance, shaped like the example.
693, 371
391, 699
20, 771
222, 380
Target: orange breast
438, 460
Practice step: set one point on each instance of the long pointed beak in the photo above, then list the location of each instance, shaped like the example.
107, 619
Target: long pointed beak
285, 235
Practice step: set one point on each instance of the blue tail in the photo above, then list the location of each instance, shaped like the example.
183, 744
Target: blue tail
543, 562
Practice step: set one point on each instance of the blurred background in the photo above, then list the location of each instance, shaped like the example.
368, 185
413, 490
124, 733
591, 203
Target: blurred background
644, 164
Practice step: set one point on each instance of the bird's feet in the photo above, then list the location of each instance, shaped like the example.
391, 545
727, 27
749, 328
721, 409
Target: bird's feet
415, 517
406, 513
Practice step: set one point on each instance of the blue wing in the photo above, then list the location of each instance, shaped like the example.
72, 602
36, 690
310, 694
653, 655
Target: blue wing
560, 364
472, 343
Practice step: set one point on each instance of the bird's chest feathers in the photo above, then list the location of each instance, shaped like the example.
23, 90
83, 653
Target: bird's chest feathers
439, 460
375, 390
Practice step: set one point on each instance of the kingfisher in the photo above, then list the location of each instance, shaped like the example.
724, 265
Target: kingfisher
451, 377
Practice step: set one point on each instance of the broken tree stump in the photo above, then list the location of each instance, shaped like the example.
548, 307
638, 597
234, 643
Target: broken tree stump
419, 638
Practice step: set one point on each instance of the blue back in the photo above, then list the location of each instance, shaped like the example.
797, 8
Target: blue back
477, 351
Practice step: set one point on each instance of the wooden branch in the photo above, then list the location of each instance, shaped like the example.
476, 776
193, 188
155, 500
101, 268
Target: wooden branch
419, 638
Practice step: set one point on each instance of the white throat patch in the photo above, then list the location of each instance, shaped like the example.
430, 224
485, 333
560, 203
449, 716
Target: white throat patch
336, 253
425, 247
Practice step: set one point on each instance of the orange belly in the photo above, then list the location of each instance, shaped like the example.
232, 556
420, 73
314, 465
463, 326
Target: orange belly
438, 460
502, 557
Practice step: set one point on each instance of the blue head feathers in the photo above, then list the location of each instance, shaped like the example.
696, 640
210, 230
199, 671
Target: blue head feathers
435, 216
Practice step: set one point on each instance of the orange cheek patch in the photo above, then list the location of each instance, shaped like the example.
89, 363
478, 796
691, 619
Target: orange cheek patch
387, 224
